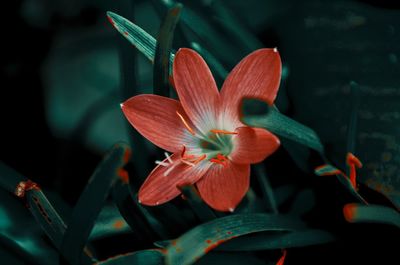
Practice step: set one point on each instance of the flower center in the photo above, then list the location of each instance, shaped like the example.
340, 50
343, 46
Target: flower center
216, 145
217, 141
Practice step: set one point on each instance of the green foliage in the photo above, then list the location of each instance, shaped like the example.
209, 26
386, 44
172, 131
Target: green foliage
272, 120
259, 223
150, 257
359, 213
162, 67
197, 242
91, 202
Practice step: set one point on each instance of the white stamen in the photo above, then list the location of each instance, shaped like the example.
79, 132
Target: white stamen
275, 49
158, 162
187, 163
231, 210
122, 105
168, 157
168, 170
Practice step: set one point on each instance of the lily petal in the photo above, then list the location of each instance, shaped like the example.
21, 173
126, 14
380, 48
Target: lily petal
224, 186
253, 145
161, 185
258, 75
156, 118
196, 88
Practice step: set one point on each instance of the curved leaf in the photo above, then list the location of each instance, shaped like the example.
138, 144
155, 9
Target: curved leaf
203, 238
109, 223
148, 257
131, 210
216, 67
202, 210
263, 241
90, 203
21, 236
162, 65
358, 213
142, 40
272, 120
41, 209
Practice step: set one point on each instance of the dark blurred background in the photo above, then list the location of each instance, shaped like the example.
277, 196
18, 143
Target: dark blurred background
60, 95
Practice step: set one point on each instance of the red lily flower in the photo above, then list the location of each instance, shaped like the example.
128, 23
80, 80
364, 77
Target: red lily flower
210, 146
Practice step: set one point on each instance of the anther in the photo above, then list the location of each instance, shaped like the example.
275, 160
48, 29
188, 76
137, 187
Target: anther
185, 123
168, 157
187, 162
222, 131
25, 186
217, 161
158, 162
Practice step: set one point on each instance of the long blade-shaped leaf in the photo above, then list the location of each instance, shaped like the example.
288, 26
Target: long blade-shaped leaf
148, 257
39, 206
263, 241
90, 203
142, 40
203, 211
161, 69
272, 120
203, 238
358, 213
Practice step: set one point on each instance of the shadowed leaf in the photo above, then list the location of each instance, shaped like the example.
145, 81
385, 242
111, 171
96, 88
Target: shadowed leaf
358, 213
161, 69
200, 240
91, 202
272, 120
203, 211
263, 241
143, 41
148, 257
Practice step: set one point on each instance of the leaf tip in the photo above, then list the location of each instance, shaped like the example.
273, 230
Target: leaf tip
349, 212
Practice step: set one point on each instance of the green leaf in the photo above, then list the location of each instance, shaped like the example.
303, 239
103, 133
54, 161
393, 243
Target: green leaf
217, 68
142, 40
358, 213
109, 223
329, 170
219, 258
206, 32
134, 214
46, 216
41, 209
197, 242
270, 240
203, 212
352, 130
161, 70
272, 120
266, 189
235, 28
264, 241
148, 257
303, 203
91, 202
21, 235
